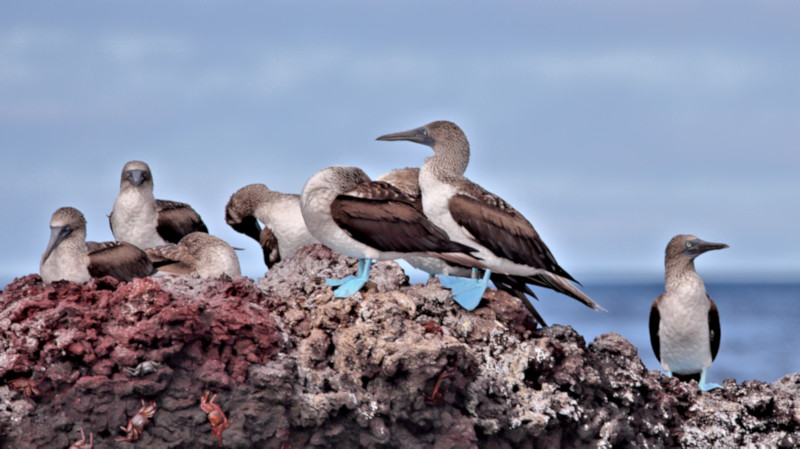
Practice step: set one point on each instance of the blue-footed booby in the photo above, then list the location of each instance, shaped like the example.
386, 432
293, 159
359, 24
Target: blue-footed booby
140, 219
198, 252
505, 241
407, 180
370, 220
69, 257
684, 321
284, 229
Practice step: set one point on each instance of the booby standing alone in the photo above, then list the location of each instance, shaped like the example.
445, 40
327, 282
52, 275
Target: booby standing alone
505, 241
355, 216
684, 321
144, 221
284, 228
69, 257
198, 252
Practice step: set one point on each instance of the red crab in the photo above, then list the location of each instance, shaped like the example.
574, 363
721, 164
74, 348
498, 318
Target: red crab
219, 422
430, 326
81, 444
140, 419
437, 397
26, 386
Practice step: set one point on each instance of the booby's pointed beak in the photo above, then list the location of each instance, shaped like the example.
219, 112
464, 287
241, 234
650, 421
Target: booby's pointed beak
57, 235
697, 246
136, 177
418, 135
248, 226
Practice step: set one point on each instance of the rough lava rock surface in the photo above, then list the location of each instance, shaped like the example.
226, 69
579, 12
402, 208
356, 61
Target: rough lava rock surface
394, 366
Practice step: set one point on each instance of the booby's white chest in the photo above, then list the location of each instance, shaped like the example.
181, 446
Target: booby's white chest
683, 328
67, 263
285, 219
134, 219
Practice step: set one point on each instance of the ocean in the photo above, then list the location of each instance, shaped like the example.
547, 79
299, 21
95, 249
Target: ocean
760, 321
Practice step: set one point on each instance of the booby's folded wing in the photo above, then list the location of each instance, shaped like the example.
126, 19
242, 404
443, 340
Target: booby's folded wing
655, 320
121, 260
172, 258
176, 220
269, 244
714, 328
504, 231
383, 217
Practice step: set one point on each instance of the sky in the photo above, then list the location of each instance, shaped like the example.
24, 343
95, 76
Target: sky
611, 126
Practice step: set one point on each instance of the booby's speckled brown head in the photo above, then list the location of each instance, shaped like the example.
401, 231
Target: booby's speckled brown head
689, 246
433, 133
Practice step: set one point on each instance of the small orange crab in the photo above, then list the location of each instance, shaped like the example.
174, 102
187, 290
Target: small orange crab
430, 326
26, 386
81, 444
437, 397
219, 422
136, 424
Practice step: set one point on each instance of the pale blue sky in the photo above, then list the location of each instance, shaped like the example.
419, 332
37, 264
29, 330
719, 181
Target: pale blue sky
611, 125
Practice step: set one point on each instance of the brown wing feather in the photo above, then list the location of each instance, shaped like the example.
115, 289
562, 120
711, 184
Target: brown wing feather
655, 319
380, 216
118, 259
269, 244
172, 258
504, 231
176, 220
714, 328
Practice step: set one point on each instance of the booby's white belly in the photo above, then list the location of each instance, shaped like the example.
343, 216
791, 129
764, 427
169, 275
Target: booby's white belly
134, 220
683, 331
285, 220
66, 264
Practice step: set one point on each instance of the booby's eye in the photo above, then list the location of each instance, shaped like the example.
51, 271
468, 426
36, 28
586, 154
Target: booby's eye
688, 244
424, 132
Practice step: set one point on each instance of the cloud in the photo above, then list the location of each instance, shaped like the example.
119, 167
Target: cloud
137, 49
676, 68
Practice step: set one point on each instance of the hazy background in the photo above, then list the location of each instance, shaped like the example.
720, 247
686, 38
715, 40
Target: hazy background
611, 125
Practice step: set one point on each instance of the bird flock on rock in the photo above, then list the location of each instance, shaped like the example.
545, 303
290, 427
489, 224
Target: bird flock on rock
433, 217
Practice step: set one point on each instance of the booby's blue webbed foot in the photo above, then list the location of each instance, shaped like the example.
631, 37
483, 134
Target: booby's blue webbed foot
349, 285
706, 386
467, 292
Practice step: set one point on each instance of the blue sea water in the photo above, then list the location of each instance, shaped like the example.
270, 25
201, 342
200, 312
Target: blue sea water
760, 323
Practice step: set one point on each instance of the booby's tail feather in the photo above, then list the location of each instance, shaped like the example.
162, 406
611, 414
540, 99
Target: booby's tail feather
518, 288
564, 286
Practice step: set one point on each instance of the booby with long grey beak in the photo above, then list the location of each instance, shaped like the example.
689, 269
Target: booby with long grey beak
69, 257
505, 241
407, 180
684, 321
141, 219
370, 220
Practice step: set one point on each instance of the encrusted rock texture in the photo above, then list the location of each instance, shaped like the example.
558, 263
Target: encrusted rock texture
394, 366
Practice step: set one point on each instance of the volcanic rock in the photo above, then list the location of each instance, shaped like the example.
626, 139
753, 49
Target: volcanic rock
393, 366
